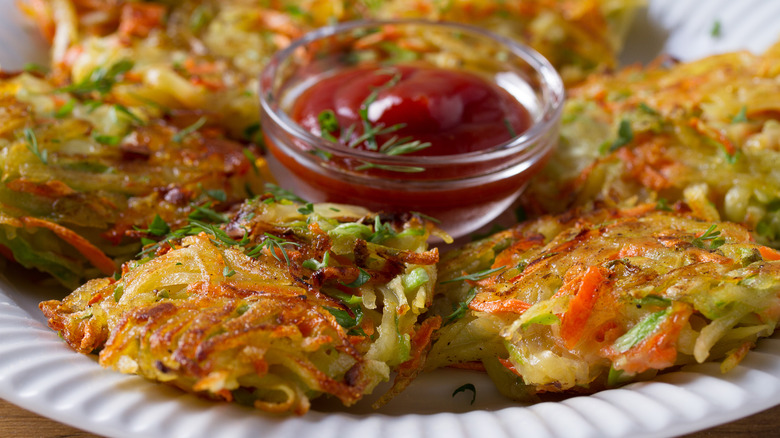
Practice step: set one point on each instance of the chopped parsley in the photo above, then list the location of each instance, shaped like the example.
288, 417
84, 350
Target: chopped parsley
663, 205
717, 29
344, 318
158, 227
625, 136
306, 209
362, 279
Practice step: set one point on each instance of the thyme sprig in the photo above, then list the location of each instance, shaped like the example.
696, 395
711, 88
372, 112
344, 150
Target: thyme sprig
102, 79
32, 145
394, 146
712, 236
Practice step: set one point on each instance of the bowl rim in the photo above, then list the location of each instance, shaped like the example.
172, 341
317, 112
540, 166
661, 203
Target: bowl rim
553, 95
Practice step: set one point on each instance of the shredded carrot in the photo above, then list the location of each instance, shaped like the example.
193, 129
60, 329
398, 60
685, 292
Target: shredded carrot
92, 253
581, 305
526, 242
50, 189
139, 19
703, 256
769, 253
659, 350
510, 366
500, 306
702, 128
200, 68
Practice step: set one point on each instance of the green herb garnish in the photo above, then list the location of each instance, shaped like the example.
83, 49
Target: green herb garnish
711, 236
273, 243
625, 136
306, 209
32, 145
108, 140
394, 146
281, 194
344, 318
741, 116
66, 109
329, 125
461, 308
467, 387
158, 227
476, 276
716, 30
179, 136
510, 128
124, 110
102, 79
362, 279
663, 205
392, 168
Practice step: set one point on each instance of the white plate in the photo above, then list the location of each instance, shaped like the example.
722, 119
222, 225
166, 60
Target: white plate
39, 373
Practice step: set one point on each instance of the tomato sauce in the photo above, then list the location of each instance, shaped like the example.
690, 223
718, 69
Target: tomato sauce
454, 111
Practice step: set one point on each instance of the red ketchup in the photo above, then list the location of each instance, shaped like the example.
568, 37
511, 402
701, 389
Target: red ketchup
449, 112
454, 111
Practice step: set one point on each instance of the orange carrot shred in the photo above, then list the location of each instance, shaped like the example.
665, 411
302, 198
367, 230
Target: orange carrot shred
769, 253
92, 253
580, 306
500, 306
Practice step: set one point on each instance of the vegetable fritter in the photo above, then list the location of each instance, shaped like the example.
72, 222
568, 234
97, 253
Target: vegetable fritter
207, 54
587, 301
706, 132
283, 303
83, 176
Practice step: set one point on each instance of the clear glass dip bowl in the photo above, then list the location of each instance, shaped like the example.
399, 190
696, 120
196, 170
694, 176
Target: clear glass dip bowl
464, 191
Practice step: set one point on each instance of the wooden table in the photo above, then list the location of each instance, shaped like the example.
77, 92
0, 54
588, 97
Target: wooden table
16, 422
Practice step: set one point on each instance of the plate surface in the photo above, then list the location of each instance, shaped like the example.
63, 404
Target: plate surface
40, 373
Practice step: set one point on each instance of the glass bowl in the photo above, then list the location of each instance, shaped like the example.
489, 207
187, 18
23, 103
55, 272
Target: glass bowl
464, 191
